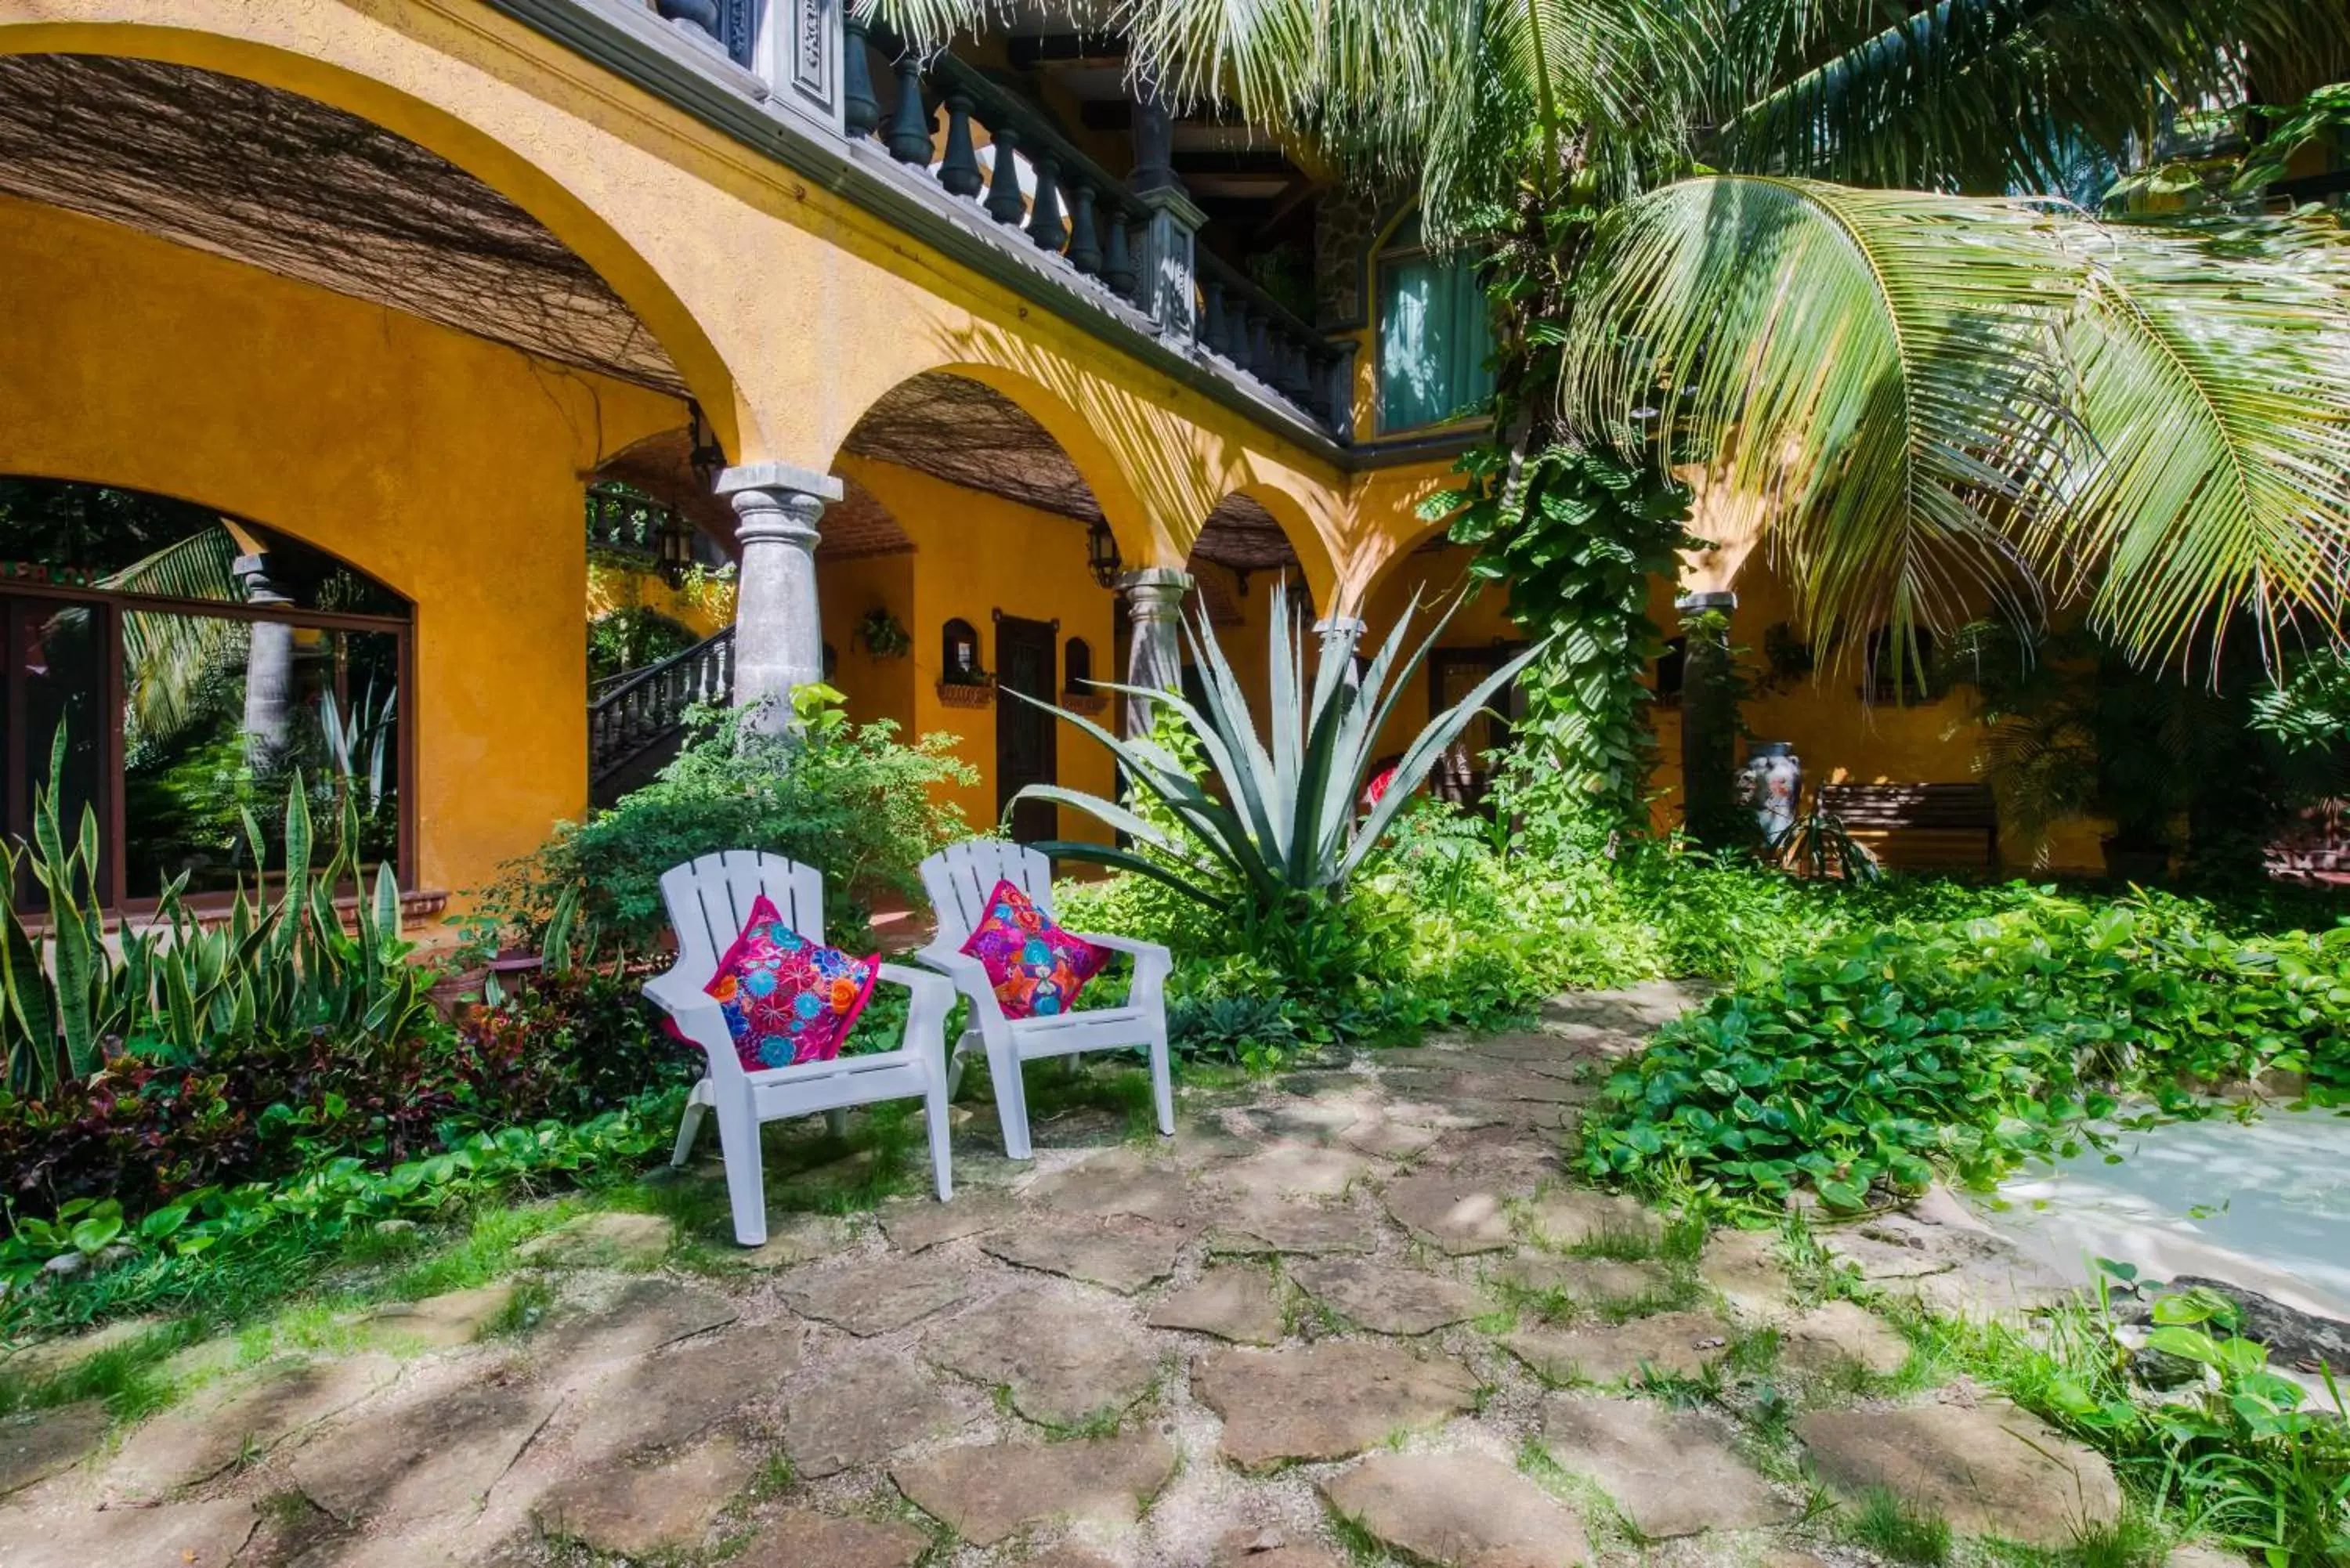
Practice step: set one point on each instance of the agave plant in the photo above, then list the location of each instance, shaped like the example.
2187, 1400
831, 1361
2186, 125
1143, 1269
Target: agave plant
1282, 819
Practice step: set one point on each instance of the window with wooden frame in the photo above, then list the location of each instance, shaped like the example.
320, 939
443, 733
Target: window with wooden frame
176, 671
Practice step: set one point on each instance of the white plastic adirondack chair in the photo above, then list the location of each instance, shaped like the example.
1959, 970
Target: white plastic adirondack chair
959, 880
709, 902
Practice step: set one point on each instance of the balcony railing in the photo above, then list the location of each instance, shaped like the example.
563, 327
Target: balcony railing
1129, 257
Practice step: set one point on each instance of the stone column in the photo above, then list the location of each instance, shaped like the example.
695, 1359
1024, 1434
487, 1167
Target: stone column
1154, 599
268, 670
1154, 145
1709, 809
1340, 635
778, 642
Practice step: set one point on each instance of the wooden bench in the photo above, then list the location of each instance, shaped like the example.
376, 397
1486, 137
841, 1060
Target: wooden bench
1918, 826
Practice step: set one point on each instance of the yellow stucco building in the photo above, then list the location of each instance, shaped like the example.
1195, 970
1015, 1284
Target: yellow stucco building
977, 348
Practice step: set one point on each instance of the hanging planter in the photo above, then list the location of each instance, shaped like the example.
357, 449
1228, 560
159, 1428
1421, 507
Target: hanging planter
884, 635
1092, 704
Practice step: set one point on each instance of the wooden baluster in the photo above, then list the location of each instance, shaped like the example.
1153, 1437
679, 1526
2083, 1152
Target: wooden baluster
959, 168
860, 111
1044, 213
909, 124
1117, 256
1212, 321
1085, 245
1004, 201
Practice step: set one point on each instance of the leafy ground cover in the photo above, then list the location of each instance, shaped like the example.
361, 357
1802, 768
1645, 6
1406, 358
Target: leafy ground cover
1970, 1038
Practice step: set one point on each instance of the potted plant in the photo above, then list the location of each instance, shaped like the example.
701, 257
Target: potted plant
883, 635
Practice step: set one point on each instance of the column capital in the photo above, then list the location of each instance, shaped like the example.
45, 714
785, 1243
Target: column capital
1171, 201
780, 514
1350, 627
779, 476
252, 575
1155, 593
1698, 604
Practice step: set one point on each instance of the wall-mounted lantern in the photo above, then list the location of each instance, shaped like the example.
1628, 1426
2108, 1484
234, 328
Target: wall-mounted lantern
1101, 554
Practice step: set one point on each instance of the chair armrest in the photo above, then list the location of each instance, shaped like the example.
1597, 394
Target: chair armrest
1153, 964
1145, 955
932, 997
698, 1017
968, 974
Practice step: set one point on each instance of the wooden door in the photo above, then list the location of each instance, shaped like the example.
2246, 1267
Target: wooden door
1027, 659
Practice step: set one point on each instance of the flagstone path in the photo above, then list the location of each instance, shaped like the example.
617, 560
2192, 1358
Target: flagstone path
1363, 1310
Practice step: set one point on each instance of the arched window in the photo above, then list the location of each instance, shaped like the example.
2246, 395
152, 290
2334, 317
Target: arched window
1077, 666
196, 665
1433, 334
959, 654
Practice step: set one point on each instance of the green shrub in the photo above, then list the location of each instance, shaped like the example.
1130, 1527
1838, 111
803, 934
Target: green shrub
1969, 1044
849, 799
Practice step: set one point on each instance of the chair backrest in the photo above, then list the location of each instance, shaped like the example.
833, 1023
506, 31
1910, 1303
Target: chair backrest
960, 878
710, 902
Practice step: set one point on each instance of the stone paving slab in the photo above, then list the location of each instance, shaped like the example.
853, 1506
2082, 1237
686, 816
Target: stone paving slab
663, 1399
439, 1322
643, 1317
988, 1491
1460, 1214
432, 1456
607, 1241
1743, 1266
801, 1538
175, 1535
239, 1420
35, 1447
1669, 1472
637, 1509
1457, 1510
1989, 1470
1384, 1298
1106, 1187
1299, 1227
866, 1413
1673, 1343
1230, 1302
1062, 1361
1586, 1282
880, 1297
918, 1224
1839, 1334
798, 1239
1576, 1217
1123, 1255
1297, 1170
1326, 1401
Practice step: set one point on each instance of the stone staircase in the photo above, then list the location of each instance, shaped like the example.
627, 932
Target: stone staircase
636, 719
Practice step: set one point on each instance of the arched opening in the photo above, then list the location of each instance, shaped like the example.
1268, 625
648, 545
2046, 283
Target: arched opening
1433, 574
342, 343
174, 671
1240, 558
971, 567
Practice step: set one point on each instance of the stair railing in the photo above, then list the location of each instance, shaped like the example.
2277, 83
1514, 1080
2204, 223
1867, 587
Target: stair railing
639, 708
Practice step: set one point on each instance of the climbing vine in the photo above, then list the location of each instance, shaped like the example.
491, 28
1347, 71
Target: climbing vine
1578, 538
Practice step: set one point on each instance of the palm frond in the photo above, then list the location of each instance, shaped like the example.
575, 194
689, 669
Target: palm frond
1872, 368
169, 660
2214, 386
1980, 95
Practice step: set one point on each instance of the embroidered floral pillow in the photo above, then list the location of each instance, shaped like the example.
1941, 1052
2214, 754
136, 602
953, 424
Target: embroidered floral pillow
1036, 968
788, 999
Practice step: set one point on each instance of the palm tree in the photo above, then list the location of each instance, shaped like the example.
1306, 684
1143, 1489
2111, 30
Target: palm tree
1773, 239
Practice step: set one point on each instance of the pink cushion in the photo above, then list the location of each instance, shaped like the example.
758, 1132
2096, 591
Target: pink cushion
788, 999
1036, 968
